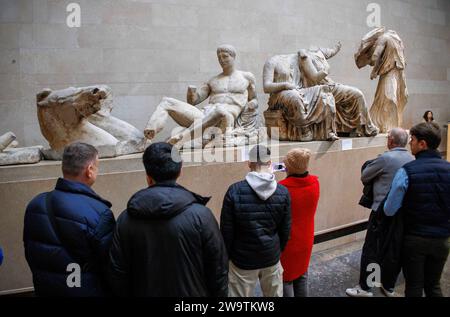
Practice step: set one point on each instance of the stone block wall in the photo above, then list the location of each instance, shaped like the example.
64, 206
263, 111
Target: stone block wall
146, 49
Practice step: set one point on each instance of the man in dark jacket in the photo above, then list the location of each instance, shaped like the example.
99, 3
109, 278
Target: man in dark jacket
67, 232
167, 242
421, 192
255, 224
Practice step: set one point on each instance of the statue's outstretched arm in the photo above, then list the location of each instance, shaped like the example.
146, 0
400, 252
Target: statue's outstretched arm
330, 52
197, 95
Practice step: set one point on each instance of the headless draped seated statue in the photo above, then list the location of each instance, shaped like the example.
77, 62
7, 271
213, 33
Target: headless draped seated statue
312, 106
232, 104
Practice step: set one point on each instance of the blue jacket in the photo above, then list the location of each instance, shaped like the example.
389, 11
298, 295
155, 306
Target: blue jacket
426, 204
86, 223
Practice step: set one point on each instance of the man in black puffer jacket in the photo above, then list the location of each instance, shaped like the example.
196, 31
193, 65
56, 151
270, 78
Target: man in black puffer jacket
167, 242
255, 223
67, 235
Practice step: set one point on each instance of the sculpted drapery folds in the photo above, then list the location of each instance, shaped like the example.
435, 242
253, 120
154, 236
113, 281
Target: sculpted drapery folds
313, 106
384, 51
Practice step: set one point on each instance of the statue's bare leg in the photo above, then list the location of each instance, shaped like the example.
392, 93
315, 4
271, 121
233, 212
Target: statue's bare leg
181, 112
225, 115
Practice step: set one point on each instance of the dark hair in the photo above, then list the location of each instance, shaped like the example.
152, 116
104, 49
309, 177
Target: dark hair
76, 157
162, 162
425, 115
429, 132
259, 154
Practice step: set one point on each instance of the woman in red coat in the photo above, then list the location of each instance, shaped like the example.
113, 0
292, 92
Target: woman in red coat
304, 190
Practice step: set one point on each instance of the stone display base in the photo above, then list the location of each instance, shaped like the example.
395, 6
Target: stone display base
336, 163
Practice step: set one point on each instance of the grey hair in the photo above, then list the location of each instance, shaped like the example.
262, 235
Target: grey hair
228, 49
76, 157
399, 136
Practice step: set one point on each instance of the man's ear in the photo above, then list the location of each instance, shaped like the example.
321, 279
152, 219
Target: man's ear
89, 171
423, 144
150, 180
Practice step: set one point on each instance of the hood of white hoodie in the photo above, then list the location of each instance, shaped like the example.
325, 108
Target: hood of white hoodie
264, 184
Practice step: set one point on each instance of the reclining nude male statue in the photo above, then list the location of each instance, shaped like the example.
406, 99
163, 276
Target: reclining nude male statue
232, 105
84, 114
306, 104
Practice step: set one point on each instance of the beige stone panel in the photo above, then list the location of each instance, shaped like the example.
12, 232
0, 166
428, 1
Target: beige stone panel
170, 15
12, 118
15, 273
26, 35
140, 60
142, 37
244, 42
126, 13
20, 11
40, 11
61, 61
420, 72
9, 61
9, 35
9, 87
434, 87
55, 36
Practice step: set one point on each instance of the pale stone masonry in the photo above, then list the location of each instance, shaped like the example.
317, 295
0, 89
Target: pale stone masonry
145, 49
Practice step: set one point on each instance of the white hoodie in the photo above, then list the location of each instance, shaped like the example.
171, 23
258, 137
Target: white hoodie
264, 184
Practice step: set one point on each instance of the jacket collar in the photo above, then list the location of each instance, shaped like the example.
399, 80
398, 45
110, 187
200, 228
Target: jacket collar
428, 154
299, 175
172, 183
69, 186
398, 148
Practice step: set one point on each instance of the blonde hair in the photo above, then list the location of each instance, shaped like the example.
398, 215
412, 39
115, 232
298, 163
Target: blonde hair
297, 160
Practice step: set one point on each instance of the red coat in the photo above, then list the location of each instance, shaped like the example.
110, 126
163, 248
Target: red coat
304, 193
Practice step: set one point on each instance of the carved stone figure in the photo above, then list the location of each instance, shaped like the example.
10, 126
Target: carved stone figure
384, 51
308, 99
301, 113
84, 114
232, 105
9, 155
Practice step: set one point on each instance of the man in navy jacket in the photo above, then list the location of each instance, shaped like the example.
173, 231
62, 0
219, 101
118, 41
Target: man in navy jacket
421, 190
67, 232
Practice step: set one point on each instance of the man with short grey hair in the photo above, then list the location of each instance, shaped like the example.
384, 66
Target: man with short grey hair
379, 173
69, 230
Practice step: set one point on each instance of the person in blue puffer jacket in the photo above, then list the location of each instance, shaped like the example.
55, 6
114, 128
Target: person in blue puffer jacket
67, 232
